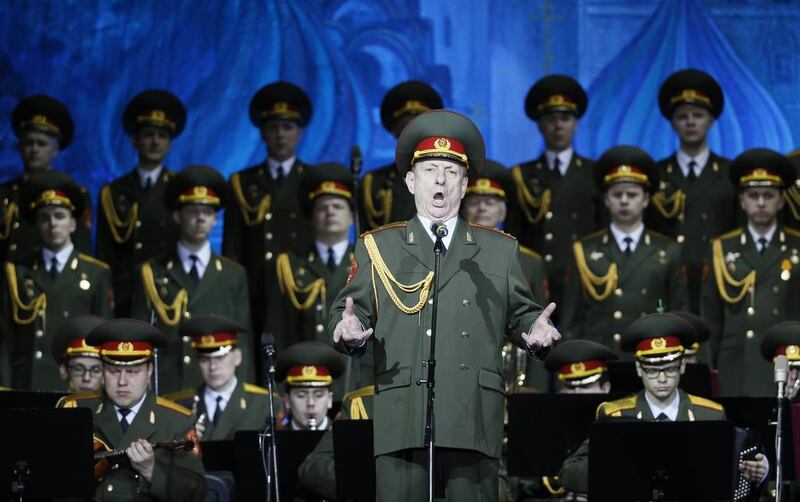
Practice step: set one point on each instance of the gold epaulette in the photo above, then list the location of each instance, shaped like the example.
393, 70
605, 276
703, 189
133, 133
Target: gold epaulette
178, 305
93, 261
706, 403
396, 224
255, 389
376, 217
251, 215
312, 292
659, 235
8, 220
166, 403
492, 229
591, 281
71, 400
368, 390
530, 252
729, 235
613, 408
227, 261
181, 394
115, 223
526, 199
791, 231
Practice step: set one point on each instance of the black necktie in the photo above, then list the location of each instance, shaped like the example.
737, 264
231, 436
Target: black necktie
331, 260
763, 245
194, 273
692, 171
628, 241
53, 268
279, 173
218, 411
662, 417
124, 422
557, 167
148, 182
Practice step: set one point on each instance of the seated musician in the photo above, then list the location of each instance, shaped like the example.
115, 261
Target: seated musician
128, 416
79, 363
657, 341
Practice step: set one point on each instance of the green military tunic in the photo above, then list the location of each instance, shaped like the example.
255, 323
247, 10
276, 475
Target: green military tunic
35, 305
516, 361
606, 290
551, 213
385, 198
574, 475
165, 292
177, 475
791, 210
246, 410
133, 225
693, 213
738, 318
19, 238
483, 298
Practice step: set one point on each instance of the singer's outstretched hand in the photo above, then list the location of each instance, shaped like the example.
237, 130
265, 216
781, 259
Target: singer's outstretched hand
542, 333
349, 329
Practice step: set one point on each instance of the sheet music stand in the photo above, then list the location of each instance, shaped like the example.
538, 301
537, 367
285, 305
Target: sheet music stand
293, 448
566, 418
622, 375
29, 399
53, 450
355, 460
635, 460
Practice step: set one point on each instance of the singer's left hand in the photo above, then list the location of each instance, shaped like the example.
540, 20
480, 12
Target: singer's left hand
754, 470
542, 333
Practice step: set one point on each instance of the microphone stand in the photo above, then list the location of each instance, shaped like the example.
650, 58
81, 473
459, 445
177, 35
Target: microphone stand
430, 363
352, 372
779, 443
155, 355
267, 445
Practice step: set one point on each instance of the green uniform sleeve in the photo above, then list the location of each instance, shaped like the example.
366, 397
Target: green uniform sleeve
177, 476
574, 474
361, 291
711, 308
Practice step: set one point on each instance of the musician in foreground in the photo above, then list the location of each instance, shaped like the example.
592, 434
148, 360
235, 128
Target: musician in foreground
129, 417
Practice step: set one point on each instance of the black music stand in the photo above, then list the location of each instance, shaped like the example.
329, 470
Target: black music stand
46, 453
622, 375
354, 460
293, 448
635, 460
29, 399
562, 422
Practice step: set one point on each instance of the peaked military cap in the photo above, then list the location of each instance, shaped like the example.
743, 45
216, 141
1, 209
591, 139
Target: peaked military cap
44, 114
211, 335
658, 338
155, 108
197, 185
555, 93
579, 362
126, 342
701, 330
325, 179
626, 164
692, 87
309, 364
70, 340
493, 179
408, 98
761, 167
440, 134
280, 101
51, 188
782, 339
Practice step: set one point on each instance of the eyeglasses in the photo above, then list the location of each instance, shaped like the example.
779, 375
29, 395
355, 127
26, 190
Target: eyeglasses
652, 373
80, 370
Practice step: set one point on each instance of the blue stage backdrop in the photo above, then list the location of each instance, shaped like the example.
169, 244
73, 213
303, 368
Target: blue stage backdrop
482, 55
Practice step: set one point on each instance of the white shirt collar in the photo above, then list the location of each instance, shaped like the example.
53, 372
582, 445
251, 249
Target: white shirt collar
450, 224
203, 257
619, 236
701, 159
323, 426
755, 235
339, 250
286, 164
210, 398
564, 157
62, 256
671, 410
152, 175
134, 410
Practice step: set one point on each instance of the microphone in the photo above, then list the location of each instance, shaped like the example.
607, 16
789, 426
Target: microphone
439, 229
781, 374
268, 345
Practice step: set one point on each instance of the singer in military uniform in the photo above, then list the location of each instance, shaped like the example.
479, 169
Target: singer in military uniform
556, 198
133, 224
192, 280
694, 201
40, 293
484, 297
384, 196
752, 280
620, 273
223, 404
78, 362
128, 416
44, 127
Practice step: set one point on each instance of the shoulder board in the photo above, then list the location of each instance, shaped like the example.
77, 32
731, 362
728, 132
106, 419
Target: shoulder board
255, 389
706, 403
181, 395
791, 231
166, 403
729, 235
70, 400
529, 252
397, 224
611, 407
369, 390
660, 236
593, 235
794, 153
227, 261
93, 260
484, 227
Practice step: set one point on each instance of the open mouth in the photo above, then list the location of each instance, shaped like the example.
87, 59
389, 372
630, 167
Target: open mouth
438, 198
